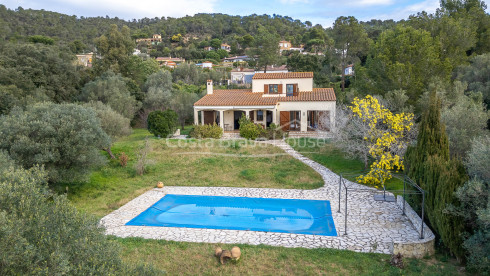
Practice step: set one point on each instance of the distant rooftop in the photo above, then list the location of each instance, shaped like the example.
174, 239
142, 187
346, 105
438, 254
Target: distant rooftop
290, 75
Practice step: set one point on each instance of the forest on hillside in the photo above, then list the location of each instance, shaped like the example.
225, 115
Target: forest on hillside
57, 116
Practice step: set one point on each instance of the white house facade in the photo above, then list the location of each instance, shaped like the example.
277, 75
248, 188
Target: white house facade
285, 99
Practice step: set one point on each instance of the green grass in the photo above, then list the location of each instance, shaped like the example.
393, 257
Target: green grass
327, 154
192, 163
186, 130
112, 186
183, 258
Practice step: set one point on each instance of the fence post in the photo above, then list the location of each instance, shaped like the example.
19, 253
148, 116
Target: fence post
345, 223
404, 198
340, 190
422, 220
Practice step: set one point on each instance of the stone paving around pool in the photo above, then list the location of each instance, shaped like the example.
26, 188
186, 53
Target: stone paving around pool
372, 226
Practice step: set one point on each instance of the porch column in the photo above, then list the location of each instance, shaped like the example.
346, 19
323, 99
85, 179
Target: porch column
222, 119
196, 116
202, 117
304, 120
274, 116
247, 113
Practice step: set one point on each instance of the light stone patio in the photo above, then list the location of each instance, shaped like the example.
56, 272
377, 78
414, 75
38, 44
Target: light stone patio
372, 226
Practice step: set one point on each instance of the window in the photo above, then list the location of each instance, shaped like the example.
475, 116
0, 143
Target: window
294, 120
260, 115
289, 89
273, 89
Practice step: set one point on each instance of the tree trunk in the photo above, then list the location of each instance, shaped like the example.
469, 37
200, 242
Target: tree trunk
108, 150
366, 163
265, 68
343, 76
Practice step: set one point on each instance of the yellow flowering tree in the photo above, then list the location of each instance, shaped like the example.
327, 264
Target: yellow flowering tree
386, 138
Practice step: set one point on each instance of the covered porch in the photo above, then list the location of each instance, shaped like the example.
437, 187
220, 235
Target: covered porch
228, 117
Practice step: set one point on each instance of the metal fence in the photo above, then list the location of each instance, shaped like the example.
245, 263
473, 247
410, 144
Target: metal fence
407, 182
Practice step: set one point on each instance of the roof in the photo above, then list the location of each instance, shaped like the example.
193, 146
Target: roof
245, 97
284, 41
290, 75
238, 70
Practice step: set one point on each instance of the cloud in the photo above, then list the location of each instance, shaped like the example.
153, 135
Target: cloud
430, 6
127, 9
289, 2
372, 2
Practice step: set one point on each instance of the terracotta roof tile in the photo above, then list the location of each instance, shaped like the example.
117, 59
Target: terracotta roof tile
242, 97
290, 75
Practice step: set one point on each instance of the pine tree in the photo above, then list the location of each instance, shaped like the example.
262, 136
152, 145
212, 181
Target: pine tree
430, 166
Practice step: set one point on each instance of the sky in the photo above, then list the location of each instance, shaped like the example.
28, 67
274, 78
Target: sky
322, 12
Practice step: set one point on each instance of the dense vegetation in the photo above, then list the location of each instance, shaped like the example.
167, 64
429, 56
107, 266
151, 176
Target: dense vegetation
56, 114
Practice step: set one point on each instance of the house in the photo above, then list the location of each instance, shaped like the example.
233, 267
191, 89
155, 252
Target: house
242, 75
300, 49
85, 59
273, 69
170, 64
236, 59
349, 70
208, 48
284, 45
148, 42
226, 47
169, 61
285, 99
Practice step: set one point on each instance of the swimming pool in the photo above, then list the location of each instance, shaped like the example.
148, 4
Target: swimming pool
240, 213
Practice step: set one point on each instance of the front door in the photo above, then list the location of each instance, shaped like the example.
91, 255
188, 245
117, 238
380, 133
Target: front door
208, 117
284, 120
236, 117
268, 118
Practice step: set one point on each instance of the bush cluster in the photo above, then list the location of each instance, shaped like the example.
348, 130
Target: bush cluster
207, 131
252, 131
162, 123
42, 233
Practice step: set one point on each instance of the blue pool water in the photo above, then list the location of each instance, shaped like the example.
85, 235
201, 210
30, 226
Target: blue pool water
240, 213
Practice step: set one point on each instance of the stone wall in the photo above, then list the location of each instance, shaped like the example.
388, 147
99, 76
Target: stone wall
414, 249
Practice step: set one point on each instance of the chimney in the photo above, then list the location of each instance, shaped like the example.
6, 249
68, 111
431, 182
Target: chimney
209, 87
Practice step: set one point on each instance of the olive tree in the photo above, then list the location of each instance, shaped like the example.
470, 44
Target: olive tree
41, 233
111, 89
114, 124
64, 138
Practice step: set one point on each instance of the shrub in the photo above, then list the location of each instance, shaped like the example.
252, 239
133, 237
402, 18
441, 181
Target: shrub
274, 132
142, 162
207, 131
123, 159
250, 130
41, 233
162, 123
65, 138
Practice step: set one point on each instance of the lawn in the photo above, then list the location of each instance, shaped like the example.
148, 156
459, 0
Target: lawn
231, 164
210, 163
327, 154
183, 258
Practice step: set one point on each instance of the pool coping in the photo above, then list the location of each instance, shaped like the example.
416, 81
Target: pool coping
373, 226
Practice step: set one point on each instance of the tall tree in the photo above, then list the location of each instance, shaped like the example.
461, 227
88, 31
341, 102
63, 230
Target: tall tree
405, 58
351, 42
430, 166
115, 47
266, 48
